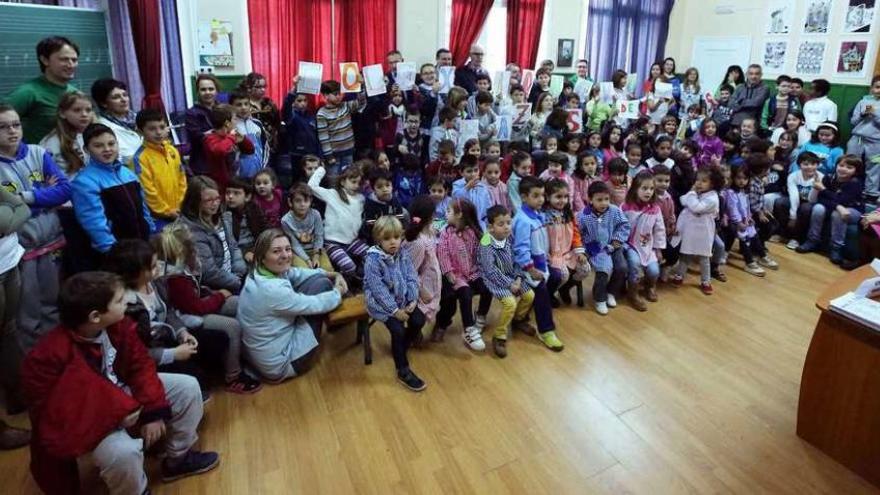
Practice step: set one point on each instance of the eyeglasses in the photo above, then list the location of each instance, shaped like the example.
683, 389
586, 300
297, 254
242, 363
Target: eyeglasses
10, 127
477, 54
208, 201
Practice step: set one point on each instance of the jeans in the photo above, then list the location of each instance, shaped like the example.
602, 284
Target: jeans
402, 337
838, 226
603, 283
635, 270
750, 248
512, 309
543, 309
464, 296
705, 266
343, 161
555, 280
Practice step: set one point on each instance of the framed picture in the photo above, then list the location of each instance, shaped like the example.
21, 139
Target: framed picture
565, 52
851, 56
859, 16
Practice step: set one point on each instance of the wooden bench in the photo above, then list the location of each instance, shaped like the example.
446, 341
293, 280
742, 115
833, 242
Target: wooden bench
353, 310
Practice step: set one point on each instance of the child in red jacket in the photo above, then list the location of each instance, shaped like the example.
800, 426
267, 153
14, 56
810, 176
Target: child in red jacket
223, 145
90, 381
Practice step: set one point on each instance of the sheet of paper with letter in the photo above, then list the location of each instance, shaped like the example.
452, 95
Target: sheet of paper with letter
374, 80
310, 75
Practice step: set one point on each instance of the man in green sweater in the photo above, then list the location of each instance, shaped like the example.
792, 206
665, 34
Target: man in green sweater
36, 101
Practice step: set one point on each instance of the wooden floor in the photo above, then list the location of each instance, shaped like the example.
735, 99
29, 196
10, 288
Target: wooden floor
698, 395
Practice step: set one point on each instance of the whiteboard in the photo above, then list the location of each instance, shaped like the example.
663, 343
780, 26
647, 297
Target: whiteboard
713, 54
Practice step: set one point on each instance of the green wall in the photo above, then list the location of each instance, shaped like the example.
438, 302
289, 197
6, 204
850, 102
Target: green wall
846, 96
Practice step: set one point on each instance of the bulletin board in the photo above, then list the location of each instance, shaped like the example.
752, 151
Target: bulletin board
713, 54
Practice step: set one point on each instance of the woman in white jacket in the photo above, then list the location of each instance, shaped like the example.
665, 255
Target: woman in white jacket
114, 111
281, 309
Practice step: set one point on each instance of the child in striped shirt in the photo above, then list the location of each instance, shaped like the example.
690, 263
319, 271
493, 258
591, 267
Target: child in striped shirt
335, 131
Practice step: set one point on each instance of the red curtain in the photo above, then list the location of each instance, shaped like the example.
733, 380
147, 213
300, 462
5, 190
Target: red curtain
524, 18
283, 34
468, 17
365, 31
145, 31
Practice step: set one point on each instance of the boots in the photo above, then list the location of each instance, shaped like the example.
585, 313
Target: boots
650, 289
632, 290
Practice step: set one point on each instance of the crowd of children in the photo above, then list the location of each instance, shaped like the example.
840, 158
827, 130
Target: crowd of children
421, 220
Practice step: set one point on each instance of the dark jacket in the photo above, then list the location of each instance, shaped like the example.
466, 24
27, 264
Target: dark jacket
748, 101
373, 209
197, 122
302, 130
847, 194
209, 248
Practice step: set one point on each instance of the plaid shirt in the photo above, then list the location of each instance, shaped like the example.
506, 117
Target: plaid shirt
756, 195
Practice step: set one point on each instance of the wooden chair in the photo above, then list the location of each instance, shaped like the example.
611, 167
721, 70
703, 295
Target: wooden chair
354, 310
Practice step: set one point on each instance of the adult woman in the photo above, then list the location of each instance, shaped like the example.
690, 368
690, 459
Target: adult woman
265, 110
671, 78
281, 309
220, 258
734, 77
114, 111
690, 92
655, 72
198, 120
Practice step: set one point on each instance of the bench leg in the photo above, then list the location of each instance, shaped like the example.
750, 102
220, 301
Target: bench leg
579, 290
363, 336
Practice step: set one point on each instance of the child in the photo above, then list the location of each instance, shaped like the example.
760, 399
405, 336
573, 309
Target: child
618, 81
584, 174
794, 210
556, 169
421, 241
444, 165
594, 143
491, 149
246, 125
865, 140
662, 152
604, 230
711, 147
520, 133
819, 108
695, 227
473, 148
268, 197
666, 203
408, 180
540, 86
107, 198
740, 221
391, 292
470, 188
224, 146
335, 131
758, 166
342, 218
597, 110
410, 141
438, 190
445, 131
612, 144
391, 120
794, 122
541, 109
568, 263
618, 181
521, 165
530, 254
485, 116
646, 238
305, 228
159, 168
457, 253
246, 217
748, 130
668, 127
840, 198
29, 172
824, 144
504, 279
96, 349
381, 202
302, 128
777, 108
732, 145
65, 142
571, 145
498, 193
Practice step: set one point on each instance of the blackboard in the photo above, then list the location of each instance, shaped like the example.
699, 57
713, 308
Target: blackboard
23, 26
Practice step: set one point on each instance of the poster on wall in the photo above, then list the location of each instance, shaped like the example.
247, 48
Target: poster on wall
774, 56
817, 16
851, 59
780, 16
215, 43
859, 16
810, 56
564, 52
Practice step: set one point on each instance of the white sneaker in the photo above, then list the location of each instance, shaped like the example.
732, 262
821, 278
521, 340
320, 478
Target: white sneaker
602, 308
473, 338
793, 244
480, 322
754, 269
612, 301
768, 262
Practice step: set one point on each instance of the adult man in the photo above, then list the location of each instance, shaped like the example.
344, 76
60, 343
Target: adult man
466, 75
515, 73
748, 99
443, 58
393, 58
582, 71
36, 101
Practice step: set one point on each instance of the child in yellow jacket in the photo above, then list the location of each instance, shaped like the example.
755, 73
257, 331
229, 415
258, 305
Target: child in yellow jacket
159, 168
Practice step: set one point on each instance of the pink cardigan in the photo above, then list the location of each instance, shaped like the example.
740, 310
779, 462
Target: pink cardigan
457, 253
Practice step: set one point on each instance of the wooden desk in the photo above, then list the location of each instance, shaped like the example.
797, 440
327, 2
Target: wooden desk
839, 407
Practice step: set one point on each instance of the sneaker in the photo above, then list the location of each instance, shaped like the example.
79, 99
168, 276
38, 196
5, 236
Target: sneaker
473, 339
808, 247
718, 275
753, 269
676, 280
244, 384
793, 244
551, 341
775, 238
768, 262
602, 308
437, 334
480, 322
706, 288
500, 347
410, 380
193, 462
525, 327
611, 301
